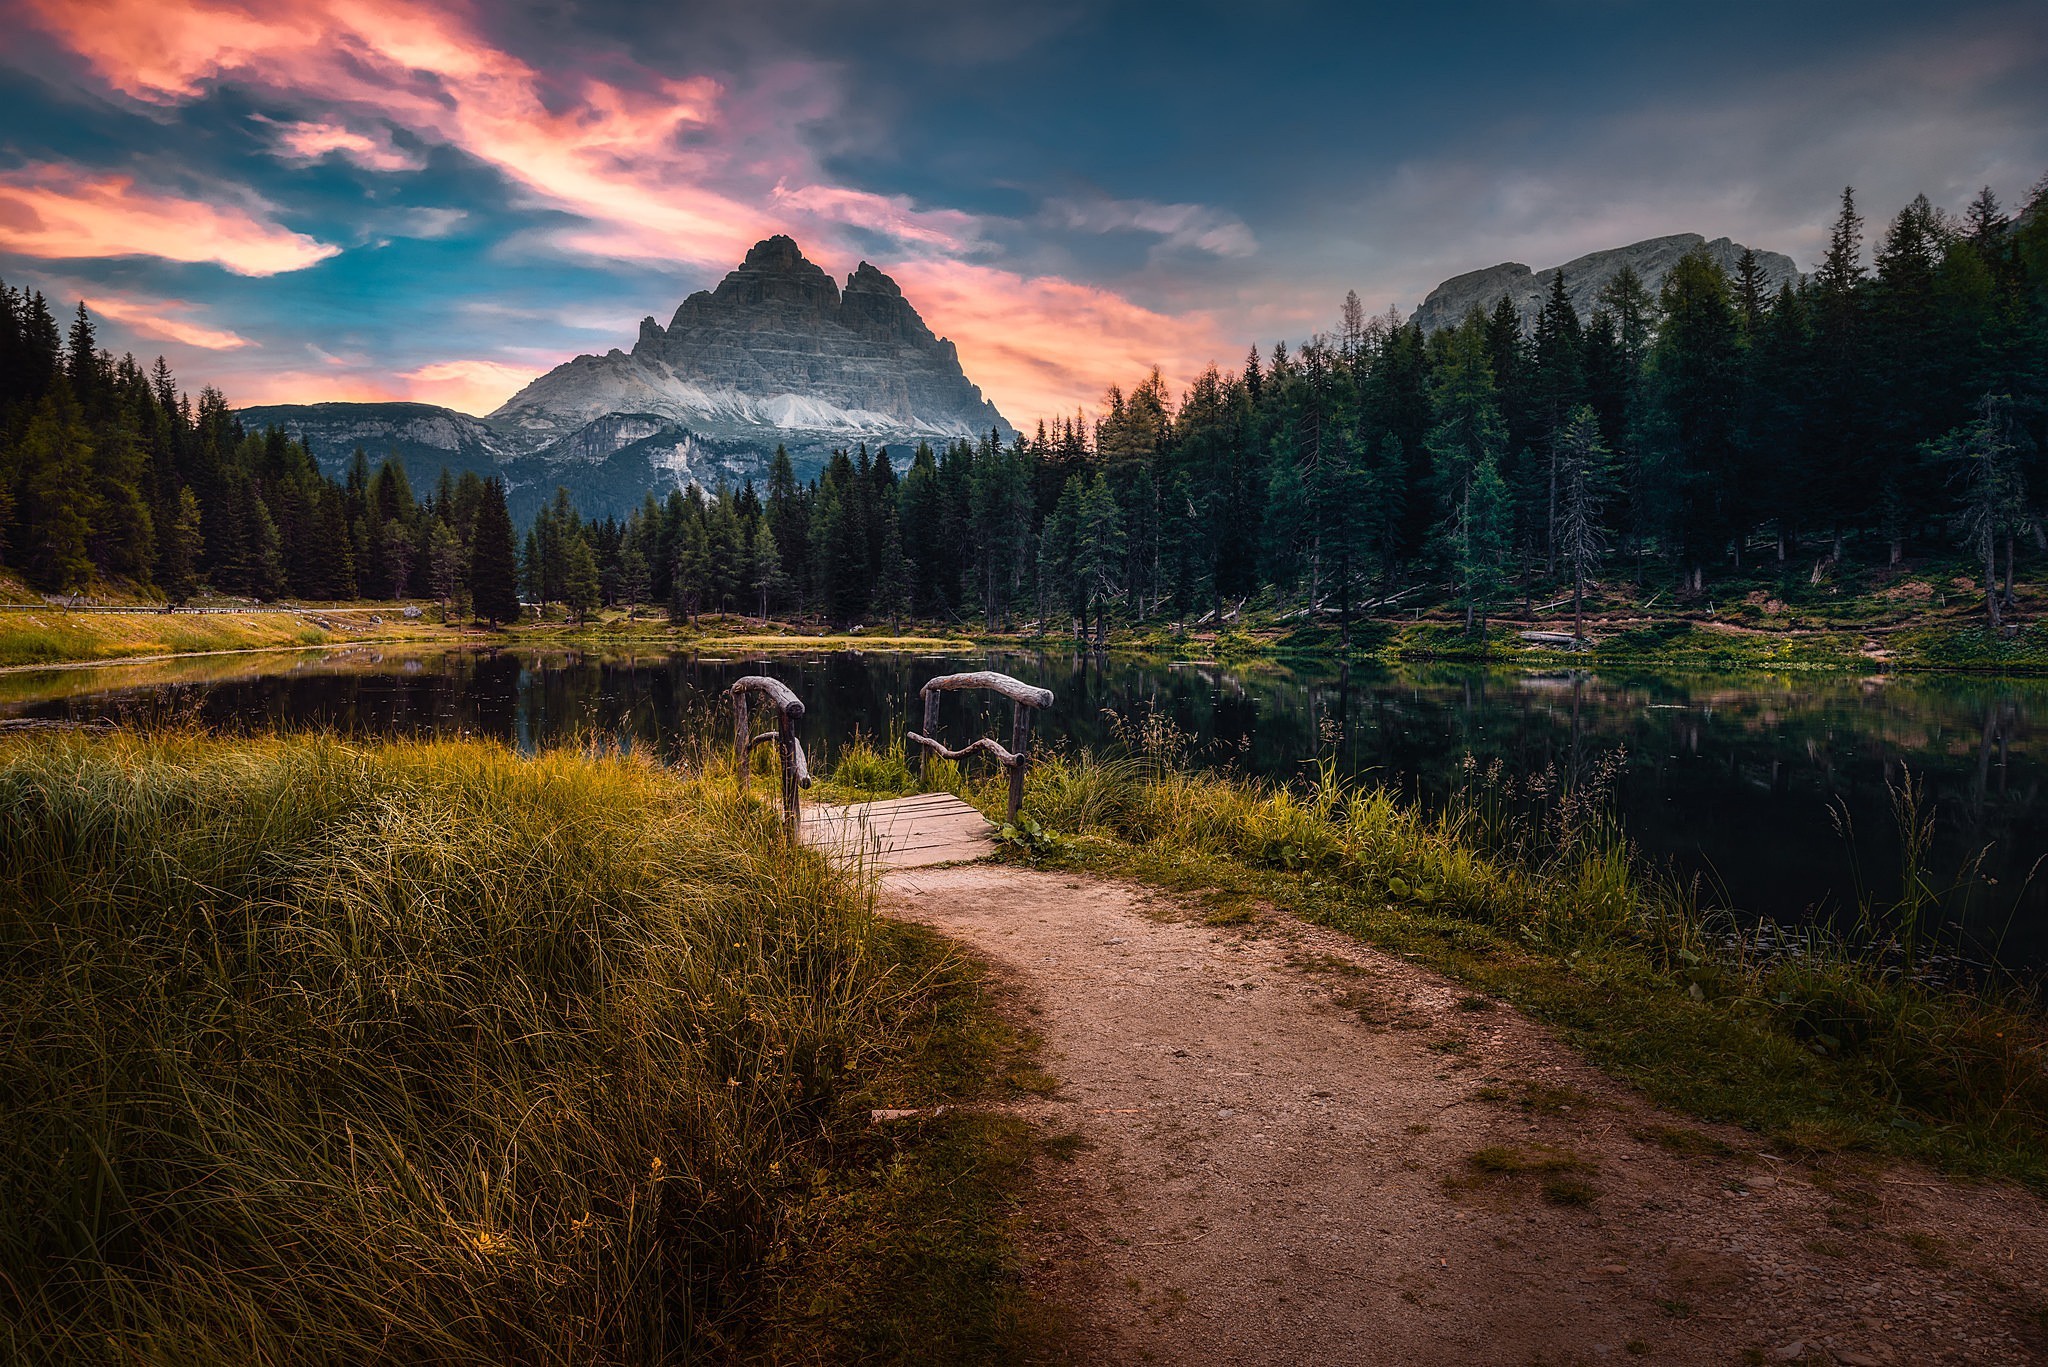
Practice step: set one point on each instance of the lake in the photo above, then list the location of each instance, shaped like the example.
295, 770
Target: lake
1735, 778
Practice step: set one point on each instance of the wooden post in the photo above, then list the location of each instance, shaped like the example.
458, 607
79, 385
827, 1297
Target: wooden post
741, 728
931, 728
1020, 743
792, 814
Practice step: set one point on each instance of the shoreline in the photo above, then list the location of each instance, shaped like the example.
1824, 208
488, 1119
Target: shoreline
71, 638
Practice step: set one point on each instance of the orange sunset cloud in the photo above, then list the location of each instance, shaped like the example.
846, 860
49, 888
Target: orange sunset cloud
1040, 345
656, 168
162, 319
57, 212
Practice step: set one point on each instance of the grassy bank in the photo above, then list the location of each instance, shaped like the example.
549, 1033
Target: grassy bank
1529, 894
43, 636
413, 1053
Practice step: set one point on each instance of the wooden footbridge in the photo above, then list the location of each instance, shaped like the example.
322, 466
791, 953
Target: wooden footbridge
902, 833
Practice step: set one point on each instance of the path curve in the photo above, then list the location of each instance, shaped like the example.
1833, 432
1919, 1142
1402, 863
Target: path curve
1275, 1127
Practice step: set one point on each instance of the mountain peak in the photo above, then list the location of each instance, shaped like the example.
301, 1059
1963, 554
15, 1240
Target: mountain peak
867, 280
1584, 278
778, 253
774, 353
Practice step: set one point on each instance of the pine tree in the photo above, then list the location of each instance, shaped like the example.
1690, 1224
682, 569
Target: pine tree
56, 479
1098, 551
1981, 458
633, 579
1696, 377
579, 577
262, 570
1469, 429
1483, 538
329, 555
1059, 586
181, 548
493, 563
444, 563
764, 568
1584, 468
397, 557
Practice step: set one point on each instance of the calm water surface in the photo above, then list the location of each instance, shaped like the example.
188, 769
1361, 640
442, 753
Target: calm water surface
1734, 778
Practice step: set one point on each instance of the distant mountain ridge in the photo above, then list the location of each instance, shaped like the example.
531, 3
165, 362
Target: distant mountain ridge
1584, 278
776, 354
780, 354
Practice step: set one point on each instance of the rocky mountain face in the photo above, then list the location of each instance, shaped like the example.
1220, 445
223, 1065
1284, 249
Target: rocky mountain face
777, 346
777, 354
1584, 278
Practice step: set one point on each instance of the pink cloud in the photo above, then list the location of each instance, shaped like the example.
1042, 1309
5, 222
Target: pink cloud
611, 152
656, 168
162, 319
1040, 345
372, 151
472, 386
947, 230
59, 212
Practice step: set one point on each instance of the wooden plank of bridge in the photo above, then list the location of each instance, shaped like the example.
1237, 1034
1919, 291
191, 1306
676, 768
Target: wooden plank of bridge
903, 833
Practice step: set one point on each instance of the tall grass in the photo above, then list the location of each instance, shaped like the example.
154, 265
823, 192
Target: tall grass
419, 1052
53, 636
1529, 888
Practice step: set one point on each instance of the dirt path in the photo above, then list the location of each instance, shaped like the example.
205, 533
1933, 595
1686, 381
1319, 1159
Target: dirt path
1276, 1129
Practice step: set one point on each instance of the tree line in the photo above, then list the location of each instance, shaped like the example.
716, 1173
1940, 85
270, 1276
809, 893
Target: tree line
1712, 429
110, 472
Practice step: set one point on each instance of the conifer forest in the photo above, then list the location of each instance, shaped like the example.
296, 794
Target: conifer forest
1873, 413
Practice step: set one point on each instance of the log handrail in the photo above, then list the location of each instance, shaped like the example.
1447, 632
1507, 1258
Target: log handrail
1025, 700
779, 693
789, 710
1016, 690
995, 750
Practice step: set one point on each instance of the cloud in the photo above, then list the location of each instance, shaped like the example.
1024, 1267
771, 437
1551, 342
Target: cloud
891, 216
637, 156
1942, 111
471, 386
650, 168
60, 213
162, 319
1194, 227
373, 151
1038, 345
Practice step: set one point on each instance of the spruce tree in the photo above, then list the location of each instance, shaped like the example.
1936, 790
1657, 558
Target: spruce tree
493, 563
181, 549
56, 480
1098, 550
1584, 468
1484, 531
579, 577
444, 564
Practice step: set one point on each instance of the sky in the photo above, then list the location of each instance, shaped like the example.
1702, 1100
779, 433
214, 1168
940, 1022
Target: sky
307, 200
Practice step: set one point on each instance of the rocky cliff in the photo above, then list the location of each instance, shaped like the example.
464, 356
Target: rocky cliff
776, 352
1584, 278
